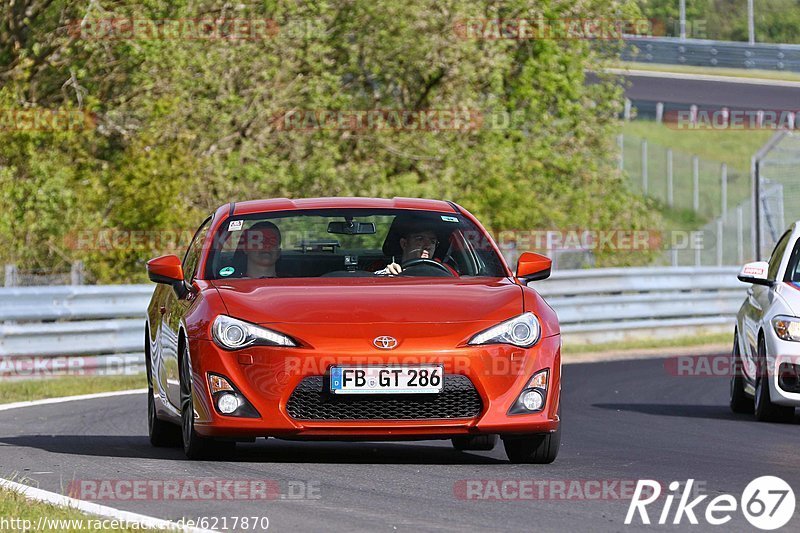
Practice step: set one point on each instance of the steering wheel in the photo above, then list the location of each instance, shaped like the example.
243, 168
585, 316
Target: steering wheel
414, 263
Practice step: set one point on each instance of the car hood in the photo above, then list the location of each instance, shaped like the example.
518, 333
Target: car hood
366, 300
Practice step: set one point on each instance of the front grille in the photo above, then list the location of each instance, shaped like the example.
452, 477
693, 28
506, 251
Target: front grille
458, 399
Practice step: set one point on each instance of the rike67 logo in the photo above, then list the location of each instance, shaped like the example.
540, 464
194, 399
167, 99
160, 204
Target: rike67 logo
767, 502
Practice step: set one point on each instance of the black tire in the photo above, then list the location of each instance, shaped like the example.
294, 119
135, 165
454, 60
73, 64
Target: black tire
765, 410
195, 446
476, 443
162, 434
739, 401
540, 448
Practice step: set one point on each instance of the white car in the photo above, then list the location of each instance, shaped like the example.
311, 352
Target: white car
766, 345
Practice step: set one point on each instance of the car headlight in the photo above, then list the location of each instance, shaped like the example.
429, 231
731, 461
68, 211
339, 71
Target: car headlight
787, 327
522, 331
232, 334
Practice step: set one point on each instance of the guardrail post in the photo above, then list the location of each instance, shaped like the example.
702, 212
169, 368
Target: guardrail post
644, 167
670, 189
76, 273
659, 112
695, 183
724, 190
754, 230
682, 16
626, 110
740, 232
11, 273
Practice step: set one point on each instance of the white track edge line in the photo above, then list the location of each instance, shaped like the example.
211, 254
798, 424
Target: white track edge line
32, 493
47, 401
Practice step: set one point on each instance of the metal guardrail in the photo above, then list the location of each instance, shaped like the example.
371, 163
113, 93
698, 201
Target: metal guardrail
619, 304
90, 329
708, 53
103, 326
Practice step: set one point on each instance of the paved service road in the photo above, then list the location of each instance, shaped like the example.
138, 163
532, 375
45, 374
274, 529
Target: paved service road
624, 420
712, 94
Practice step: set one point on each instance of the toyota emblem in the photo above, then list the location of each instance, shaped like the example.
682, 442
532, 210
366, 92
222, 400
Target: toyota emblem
384, 342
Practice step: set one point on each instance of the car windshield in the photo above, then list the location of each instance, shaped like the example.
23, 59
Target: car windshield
350, 243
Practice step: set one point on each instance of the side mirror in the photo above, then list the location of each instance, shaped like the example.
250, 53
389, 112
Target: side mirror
755, 273
533, 267
166, 269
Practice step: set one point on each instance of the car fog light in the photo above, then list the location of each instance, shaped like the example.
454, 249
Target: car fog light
532, 400
227, 403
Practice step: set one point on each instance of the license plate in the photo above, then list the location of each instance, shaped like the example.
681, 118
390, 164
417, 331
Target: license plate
419, 379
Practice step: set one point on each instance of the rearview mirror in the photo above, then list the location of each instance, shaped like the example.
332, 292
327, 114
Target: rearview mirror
351, 228
166, 269
756, 273
533, 267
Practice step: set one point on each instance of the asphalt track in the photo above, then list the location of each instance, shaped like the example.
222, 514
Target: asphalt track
712, 93
624, 420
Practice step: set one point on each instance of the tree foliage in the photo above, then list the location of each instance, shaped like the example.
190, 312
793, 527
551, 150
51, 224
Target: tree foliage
184, 125
775, 21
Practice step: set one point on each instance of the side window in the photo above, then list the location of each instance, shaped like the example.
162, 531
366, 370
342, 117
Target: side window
793, 268
195, 251
777, 256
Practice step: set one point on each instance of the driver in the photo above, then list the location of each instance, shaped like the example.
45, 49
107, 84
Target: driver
416, 243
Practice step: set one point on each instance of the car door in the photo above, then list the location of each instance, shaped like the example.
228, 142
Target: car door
175, 309
759, 298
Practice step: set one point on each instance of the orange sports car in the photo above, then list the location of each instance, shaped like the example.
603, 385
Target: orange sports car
351, 319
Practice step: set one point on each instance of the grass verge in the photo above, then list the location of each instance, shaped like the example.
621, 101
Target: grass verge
706, 71
679, 342
734, 147
39, 389
22, 514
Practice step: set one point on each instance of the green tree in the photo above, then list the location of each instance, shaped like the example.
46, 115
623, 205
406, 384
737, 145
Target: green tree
184, 125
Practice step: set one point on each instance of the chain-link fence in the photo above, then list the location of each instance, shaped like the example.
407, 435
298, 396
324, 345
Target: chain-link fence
708, 193
777, 167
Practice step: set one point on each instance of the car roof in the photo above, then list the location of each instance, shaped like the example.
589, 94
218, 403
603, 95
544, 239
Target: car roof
285, 204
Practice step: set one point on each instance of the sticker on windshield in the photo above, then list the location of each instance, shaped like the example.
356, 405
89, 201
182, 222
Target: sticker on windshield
227, 271
235, 225
449, 219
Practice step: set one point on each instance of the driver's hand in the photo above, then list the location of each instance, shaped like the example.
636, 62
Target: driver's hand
393, 269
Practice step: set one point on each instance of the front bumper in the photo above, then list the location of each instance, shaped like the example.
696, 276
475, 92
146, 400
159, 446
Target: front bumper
781, 352
267, 377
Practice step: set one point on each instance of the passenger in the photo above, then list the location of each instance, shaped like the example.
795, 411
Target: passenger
261, 246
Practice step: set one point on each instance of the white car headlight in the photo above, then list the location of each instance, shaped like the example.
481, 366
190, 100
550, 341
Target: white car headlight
787, 327
522, 331
232, 334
